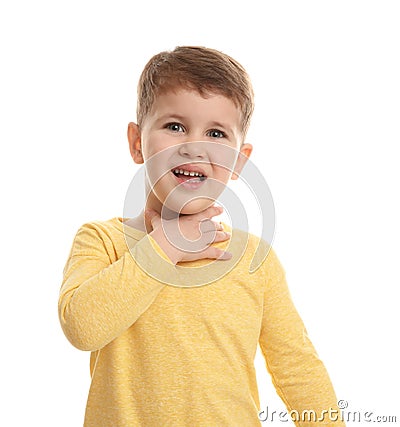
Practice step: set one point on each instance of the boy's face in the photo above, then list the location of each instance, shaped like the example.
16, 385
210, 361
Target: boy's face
186, 132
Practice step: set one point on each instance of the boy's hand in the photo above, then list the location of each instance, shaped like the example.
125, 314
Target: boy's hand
189, 237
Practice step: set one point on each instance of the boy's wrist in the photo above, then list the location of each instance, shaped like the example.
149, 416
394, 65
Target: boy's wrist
160, 238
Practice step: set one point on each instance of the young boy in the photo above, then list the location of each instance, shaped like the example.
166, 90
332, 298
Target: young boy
165, 353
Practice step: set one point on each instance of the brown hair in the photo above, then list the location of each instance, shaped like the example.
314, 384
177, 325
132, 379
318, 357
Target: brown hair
199, 68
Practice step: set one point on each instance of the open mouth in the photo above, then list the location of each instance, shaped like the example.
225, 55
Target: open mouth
185, 174
191, 177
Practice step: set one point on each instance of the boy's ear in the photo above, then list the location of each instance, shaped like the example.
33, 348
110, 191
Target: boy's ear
245, 152
135, 143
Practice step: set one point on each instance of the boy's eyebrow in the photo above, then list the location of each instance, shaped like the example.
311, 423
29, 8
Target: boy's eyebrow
171, 116
221, 125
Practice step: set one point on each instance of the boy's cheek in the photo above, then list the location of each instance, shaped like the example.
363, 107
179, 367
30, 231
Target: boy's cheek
222, 174
223, 157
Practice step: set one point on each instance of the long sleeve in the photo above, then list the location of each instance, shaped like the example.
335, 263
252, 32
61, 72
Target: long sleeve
100, 298
298, 374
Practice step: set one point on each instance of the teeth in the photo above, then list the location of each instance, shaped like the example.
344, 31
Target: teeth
187, 173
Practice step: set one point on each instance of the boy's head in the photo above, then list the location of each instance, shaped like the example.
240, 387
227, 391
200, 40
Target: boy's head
194, 109
204, 70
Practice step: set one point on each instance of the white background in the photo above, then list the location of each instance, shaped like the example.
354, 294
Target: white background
325, 135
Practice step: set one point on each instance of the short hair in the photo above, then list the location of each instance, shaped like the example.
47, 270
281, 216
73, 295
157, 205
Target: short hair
195, 68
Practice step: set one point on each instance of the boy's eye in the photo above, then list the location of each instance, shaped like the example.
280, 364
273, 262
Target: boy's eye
215, 133
175, 127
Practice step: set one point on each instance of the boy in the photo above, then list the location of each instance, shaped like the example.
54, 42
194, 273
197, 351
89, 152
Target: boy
181, 354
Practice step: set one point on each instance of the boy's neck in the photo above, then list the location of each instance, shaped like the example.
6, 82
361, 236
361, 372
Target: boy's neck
152, 202
144, 224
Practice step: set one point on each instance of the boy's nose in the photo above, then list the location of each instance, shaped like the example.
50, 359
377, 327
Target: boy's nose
193, 150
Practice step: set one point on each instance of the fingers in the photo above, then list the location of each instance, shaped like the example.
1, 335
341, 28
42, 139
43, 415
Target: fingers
210, 231
218, 226
212, 251
221, 236
207, 225
217, 236
215, 253
210, 212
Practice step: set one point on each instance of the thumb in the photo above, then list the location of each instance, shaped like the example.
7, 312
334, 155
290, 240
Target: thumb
153, 216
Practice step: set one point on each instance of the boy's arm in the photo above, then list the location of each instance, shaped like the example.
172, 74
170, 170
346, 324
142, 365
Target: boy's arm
99, 300
299, 376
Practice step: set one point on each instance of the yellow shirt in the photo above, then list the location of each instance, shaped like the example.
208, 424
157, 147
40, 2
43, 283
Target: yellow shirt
167, 355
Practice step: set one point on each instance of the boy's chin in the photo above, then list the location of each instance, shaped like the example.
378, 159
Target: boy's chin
196, 206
